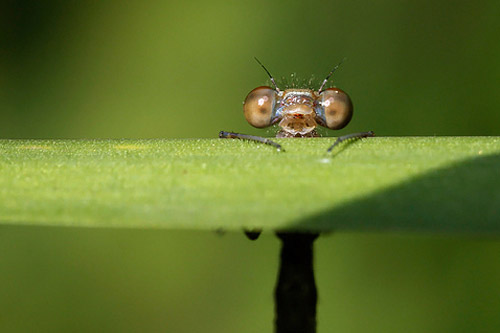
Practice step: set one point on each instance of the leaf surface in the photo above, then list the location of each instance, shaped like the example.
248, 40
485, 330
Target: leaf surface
382, 183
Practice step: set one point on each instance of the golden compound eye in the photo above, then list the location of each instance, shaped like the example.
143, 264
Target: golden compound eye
259, 105
337, 108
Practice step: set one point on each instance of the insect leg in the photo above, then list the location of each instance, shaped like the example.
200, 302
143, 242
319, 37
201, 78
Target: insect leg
231, 135
350, 136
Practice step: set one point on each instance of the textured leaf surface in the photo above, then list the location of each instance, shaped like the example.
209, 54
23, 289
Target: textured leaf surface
382, 183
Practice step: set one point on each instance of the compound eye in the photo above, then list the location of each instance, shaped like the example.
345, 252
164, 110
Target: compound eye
259, 105
337, 107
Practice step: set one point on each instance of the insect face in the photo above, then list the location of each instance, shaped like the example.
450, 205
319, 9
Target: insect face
298, 111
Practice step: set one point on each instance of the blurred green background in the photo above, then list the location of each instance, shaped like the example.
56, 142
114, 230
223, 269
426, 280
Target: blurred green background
165, 69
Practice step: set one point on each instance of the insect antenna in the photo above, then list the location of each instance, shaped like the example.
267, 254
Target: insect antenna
270, 76
329, 75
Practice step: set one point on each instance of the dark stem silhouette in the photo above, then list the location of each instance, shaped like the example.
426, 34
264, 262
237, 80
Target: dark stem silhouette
295, 293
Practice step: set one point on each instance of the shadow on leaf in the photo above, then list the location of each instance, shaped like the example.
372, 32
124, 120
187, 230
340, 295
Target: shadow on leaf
463, 198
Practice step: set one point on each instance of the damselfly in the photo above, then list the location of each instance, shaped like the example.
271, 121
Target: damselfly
297, 112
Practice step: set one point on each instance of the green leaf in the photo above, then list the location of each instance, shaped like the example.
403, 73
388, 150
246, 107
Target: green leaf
382, 183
